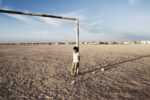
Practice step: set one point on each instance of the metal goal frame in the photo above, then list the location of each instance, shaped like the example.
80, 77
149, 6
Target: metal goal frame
49, 16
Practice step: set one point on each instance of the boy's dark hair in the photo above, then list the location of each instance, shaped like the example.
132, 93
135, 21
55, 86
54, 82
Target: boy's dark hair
76, 49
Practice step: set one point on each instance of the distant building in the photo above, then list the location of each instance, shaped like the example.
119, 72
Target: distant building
129, 42
81, 43
58, 43
145, 42
85, 42
66, 43
137, 42
93, 43
126, 42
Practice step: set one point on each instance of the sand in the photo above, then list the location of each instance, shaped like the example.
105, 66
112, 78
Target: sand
43, 72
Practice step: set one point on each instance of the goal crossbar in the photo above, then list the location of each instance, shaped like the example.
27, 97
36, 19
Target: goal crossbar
50, 16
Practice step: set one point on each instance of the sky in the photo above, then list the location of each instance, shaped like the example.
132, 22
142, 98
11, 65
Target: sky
100, 20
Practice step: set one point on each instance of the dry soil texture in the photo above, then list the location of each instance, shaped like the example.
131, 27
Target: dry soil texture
43, 72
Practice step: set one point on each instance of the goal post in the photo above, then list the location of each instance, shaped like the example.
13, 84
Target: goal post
49, 16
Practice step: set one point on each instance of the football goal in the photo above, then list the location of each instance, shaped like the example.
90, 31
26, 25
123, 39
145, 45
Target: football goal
48, 16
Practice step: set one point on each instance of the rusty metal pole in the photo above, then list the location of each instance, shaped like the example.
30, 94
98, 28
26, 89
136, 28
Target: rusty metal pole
77, 41
77, 33
35, 14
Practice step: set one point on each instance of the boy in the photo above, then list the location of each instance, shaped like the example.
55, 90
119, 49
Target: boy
75, 64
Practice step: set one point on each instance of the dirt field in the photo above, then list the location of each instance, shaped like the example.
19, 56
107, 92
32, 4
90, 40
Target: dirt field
43, 72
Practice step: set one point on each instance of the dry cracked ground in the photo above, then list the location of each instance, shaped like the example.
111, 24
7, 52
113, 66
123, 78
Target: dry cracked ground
43, 73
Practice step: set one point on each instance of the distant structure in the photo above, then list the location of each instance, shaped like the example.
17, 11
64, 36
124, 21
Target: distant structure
145, 42
83, 43
129, 42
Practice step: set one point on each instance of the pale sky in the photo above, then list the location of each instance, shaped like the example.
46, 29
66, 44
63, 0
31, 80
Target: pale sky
100, 20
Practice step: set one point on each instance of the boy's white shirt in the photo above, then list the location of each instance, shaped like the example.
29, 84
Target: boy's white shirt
76, 57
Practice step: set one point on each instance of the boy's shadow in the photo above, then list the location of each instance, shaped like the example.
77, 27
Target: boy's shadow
111, 66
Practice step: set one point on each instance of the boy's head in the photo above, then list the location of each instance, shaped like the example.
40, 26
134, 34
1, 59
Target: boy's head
75, 49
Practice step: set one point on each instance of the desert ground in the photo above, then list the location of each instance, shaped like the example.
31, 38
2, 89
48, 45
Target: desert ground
43, 72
